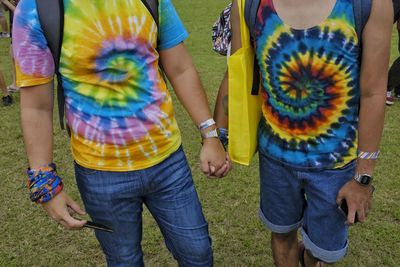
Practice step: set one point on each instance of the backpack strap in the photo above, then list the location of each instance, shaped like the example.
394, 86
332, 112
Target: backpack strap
51, 17
250, 15
362, 10
152, 6
396, 9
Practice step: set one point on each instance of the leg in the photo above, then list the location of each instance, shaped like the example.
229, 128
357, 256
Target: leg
173, 201
112, 198
12, 87
282, 205
7, 100
324, 231
285, 249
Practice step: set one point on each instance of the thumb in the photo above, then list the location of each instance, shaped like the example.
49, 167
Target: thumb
339, 198
204, 167
212, 169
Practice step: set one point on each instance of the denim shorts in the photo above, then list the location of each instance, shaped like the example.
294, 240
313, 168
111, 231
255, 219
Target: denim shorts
291, 198
116, 200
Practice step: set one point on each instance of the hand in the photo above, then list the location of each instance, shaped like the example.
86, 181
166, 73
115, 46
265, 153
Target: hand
214, 161
61, 208
358, 199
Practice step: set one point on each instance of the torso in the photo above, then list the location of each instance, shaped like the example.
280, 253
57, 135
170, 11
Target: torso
310, 80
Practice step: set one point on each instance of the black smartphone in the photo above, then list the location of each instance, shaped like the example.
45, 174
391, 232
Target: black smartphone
344, 209
98, 226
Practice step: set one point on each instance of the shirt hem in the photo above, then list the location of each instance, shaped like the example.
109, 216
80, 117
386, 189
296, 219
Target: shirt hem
308, 168
35, 82
137, 167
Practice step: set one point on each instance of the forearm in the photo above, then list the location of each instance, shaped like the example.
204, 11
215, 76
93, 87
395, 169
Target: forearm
373, 80
221, 104
8, 5
190, 93
371, 122
37, 124
179, 68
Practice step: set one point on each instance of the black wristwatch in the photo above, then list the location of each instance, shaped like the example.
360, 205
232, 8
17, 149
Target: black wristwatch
363, 179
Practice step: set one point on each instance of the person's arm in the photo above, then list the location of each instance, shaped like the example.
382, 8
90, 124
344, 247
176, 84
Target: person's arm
373, 83
221, 105
9, 5
37, 126
179, 68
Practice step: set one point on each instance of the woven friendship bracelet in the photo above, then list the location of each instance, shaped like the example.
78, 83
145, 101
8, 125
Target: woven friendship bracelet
206, 124
368, 155
44, 183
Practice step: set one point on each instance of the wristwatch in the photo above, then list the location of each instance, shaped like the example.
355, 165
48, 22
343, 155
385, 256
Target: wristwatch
211, 134
363, 179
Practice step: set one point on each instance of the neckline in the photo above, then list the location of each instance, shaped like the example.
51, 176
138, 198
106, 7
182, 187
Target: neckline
308, 28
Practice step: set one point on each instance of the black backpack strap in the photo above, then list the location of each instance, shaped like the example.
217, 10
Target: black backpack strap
250, 15
396, 9
362, 10
51, 17
152, 6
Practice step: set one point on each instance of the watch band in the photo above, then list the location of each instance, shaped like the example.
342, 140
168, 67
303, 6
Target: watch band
211, 134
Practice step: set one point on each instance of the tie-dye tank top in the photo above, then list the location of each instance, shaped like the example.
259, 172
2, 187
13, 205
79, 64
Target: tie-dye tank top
117, 104
310, 88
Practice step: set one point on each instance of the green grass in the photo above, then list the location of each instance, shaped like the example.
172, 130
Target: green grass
29, 238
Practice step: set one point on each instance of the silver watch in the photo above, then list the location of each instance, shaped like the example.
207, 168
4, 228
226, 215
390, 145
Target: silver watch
363, 179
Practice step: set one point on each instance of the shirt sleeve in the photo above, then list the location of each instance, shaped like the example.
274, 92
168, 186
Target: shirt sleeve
33, 60
171, 29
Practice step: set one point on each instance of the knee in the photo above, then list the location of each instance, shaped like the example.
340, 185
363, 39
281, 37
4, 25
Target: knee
197, 253
285, 237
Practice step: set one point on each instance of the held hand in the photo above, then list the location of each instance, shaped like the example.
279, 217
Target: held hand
61, 208
358, 199
214, 161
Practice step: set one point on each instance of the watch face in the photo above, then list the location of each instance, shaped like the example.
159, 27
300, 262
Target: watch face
365, 179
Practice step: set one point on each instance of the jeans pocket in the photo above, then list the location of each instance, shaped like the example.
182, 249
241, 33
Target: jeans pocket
83, 170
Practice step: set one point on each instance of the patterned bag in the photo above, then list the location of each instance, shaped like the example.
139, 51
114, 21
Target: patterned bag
221, 32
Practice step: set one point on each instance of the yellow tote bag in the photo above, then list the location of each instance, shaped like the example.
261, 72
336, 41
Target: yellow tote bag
244, 109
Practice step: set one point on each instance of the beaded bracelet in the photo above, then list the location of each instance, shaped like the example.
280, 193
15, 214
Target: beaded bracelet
44, 183
368, 155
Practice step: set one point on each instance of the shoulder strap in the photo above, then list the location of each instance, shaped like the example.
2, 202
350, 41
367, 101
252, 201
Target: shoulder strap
51, 17
396, 8
152, 6
362, 10
250, 15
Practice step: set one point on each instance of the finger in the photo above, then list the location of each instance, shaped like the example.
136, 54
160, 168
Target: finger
351, 215
339, 198
74, 206
220, 172
71, 223
361, 214
205, 167
228, 168
212, 170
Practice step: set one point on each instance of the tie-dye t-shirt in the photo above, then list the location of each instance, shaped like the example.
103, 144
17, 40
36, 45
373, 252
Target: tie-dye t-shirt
310, 82
117, 103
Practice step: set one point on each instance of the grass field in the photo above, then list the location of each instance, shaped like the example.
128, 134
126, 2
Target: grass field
29, 238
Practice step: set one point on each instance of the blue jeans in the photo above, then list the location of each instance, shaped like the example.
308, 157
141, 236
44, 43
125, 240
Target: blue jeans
116, 199
293, 197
